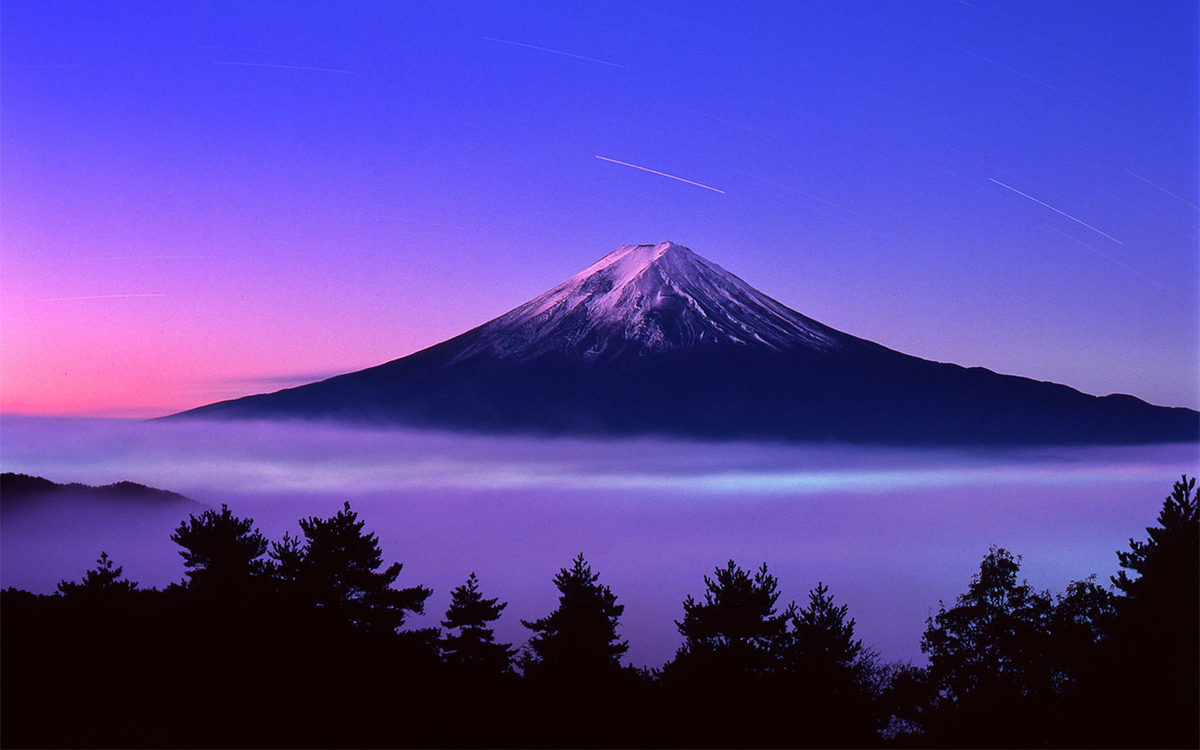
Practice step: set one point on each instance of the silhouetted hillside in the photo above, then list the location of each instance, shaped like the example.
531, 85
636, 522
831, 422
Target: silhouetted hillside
22, 488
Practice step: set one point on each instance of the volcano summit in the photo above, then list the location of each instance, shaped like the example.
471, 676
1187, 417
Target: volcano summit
654, 339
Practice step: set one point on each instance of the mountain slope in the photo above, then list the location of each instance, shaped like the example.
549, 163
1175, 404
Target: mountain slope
654, 339
17, 489
647, 299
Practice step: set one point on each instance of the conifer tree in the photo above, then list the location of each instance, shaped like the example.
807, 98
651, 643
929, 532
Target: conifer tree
220, 551
822, 647
1164, 564
1157, 634
578, 640
337, 570
287, 555
736, 631
830, 675
102, 580
473, 647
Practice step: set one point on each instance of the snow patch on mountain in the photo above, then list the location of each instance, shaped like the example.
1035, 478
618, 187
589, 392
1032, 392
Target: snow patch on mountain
644, 299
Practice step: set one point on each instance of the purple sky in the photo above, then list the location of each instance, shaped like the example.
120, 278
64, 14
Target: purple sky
202, 200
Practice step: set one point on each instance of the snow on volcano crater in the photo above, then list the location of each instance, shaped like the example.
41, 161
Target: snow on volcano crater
643, 299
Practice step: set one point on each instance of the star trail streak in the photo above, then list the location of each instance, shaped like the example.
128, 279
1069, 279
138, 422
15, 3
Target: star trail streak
661, 174
99, 296
554, 51
323, 186
1160, 187
286, 67
1055, 210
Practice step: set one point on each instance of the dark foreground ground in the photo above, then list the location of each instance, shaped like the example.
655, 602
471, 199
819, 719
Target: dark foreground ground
301, 643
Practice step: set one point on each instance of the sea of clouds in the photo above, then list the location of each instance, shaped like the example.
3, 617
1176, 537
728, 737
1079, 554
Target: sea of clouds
891, 531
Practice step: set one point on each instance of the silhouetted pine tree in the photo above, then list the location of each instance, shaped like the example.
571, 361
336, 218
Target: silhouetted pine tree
337, 569
572, 666
822, 643
220, 551
103, 580
334, 589
831, 676
473, 647
735, 633
733, 643
286, 556
1157, 636
479, 674
579, 638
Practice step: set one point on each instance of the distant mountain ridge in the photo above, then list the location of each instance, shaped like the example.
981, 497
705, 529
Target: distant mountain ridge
654, 339
23, 487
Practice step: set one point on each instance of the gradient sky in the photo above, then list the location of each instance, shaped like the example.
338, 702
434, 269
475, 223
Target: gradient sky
202, 200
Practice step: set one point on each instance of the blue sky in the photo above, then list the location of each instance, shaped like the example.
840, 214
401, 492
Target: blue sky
202, 200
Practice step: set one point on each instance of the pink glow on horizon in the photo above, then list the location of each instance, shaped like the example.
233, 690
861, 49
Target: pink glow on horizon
81, 338
322, 189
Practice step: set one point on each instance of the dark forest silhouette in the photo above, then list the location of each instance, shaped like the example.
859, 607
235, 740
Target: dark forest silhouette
301, 643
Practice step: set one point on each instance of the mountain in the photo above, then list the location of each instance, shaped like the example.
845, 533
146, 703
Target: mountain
654, 339
17, 489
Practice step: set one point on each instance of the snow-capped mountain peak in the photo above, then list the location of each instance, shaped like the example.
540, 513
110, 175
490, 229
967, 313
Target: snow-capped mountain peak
643, 299
655, 340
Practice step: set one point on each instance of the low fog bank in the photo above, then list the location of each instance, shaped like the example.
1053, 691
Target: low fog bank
890, 531
190, 456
